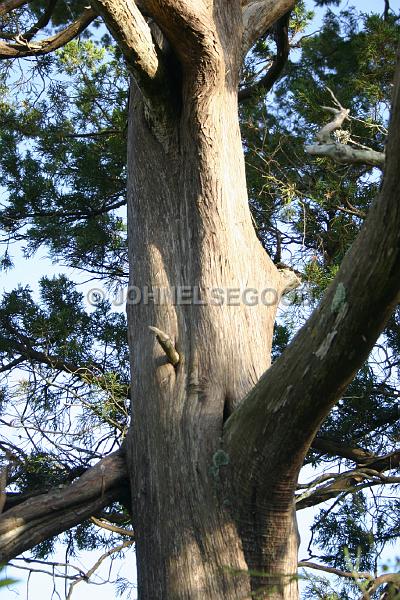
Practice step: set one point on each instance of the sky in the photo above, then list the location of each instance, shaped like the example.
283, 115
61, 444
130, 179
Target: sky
28, 272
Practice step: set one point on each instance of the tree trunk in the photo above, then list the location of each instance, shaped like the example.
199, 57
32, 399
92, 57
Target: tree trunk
217, 437
190, 232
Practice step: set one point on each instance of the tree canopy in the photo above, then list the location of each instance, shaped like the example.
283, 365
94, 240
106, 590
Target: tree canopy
64, 363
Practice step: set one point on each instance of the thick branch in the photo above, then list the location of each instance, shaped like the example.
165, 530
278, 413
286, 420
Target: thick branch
347, 155
258, 16
189, 28
131, 32
24, 48
279, 418
273, 73
41, 517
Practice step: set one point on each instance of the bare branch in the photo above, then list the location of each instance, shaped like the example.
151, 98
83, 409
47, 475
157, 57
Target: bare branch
41, 517
23, 48
12, 364
110, 527
97, 564
373, 583
360, 456
258, 16
305, 564
327, 147
343, 154
41, 22
340, 484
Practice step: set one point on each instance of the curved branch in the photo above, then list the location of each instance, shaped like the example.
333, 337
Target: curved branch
258, 16
41, 22
86, 576
282, 53
279, 418
113, 528
305, 564
131, 32
358, 455
41, 517
189, 28
23, 48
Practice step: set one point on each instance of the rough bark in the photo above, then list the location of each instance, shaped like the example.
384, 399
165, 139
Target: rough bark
44, 516
218, 438
190, 228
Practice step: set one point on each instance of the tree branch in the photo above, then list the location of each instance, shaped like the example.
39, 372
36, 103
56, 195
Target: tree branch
327, 147
358, 455
41, 22
258, 16
113, 528
131, 32
189, 28
273, 73
86, 576
373, 582
27, 352
305, 564
341, 484
41, 517
23, 48
347, 155
279, 418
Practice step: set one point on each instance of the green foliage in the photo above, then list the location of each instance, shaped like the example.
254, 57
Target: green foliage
62, 162
65, 381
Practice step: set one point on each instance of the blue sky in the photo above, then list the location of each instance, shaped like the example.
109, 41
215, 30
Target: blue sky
27, 272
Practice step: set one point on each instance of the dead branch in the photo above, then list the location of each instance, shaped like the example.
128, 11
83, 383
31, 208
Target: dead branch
326, 146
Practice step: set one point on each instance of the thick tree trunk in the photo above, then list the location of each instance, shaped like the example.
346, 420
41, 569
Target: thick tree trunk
190, 231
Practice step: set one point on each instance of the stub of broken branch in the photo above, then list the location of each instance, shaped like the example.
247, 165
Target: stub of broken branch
290, 280
167, 345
